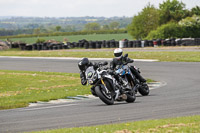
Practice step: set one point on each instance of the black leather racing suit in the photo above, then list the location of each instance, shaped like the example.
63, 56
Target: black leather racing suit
83, 76
120, 61
82, 72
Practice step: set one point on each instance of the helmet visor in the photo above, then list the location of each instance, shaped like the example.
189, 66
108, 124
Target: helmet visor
118, 54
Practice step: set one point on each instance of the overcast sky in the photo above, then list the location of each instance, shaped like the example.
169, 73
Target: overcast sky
77, 8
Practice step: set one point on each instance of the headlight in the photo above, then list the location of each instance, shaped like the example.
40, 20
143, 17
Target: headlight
120, 71
89, 75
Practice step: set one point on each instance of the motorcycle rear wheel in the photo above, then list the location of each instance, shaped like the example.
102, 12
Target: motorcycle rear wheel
130, 97
144, 90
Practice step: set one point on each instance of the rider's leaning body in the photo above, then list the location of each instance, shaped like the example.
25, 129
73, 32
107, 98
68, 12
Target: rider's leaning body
120, 59
83, 65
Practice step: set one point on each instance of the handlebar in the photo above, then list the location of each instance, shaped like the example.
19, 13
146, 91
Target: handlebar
100, 64
127, 60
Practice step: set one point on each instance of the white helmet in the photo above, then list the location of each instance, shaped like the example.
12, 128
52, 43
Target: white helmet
118, 52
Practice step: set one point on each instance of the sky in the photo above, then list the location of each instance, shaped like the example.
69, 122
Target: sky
79, 8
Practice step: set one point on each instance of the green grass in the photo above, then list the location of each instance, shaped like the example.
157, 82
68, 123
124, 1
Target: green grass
19, 88
174, 56
189, 124
76, 38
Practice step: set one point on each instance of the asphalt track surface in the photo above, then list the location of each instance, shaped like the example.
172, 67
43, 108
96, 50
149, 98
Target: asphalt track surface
179, 97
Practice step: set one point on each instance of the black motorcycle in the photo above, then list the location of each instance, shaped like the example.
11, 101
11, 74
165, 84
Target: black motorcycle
106, 87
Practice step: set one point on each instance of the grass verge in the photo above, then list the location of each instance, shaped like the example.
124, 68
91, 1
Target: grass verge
19, 88
189, 124
174, 56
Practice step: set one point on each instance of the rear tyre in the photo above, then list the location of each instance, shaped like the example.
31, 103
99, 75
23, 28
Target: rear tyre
144, 89
105, 97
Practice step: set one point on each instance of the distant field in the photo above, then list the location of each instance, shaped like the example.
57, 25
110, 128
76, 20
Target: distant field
76, 38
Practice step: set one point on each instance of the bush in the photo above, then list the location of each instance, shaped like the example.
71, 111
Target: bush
40, 40
188, 27
170, 30
191, 26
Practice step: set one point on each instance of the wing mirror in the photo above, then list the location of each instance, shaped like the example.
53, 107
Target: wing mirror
126, 55
105, 63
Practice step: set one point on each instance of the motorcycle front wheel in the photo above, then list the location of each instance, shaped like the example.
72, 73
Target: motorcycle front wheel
105, 97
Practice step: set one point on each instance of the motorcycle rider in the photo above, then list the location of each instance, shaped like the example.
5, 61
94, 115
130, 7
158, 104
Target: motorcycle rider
83, 65
119, 59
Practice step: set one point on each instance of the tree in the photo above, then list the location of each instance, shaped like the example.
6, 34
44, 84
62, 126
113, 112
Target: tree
114, 25
191, 26
32, 26
92, 27
172, 11
58, 28
106, 27
70, 28
36, 31
144, 22
195, 10
188, 27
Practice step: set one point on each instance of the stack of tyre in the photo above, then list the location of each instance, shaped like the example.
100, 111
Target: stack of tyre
85, 44
43, 46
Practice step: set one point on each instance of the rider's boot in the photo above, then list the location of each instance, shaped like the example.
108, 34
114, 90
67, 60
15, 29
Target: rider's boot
124, 96
142, 80
137, 74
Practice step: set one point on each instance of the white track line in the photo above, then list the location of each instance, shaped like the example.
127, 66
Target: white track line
153, 86
49, 107
157, 85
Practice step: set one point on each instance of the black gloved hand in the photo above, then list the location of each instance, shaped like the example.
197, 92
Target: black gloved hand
111, 72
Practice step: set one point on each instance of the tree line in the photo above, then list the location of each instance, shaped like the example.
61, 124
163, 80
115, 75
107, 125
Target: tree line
26, 25
170, 20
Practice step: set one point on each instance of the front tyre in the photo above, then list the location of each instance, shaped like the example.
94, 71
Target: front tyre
144, 89
106, 98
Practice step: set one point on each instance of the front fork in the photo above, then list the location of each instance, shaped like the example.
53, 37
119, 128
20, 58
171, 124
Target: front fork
106, 89
134, 83
117, 92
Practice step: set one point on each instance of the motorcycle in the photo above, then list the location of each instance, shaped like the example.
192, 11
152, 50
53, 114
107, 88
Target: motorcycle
106, 87
130, 79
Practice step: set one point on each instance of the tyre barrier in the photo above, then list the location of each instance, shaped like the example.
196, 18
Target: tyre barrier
110, 44
130, 44
107, 44
86, 45
98, 44
104, 44
146, 43
197, 41
22, 46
